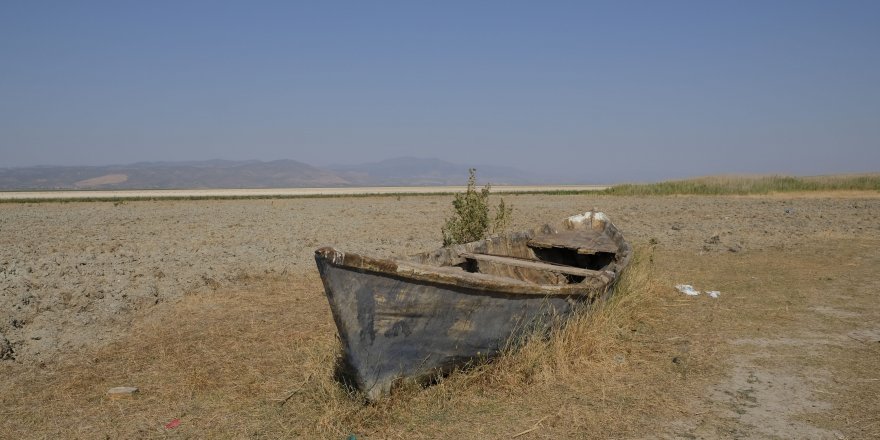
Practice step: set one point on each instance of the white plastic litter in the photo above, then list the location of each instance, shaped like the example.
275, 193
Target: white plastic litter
687, 289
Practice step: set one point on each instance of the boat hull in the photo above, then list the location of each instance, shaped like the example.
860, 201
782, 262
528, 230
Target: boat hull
393, 328
416, 317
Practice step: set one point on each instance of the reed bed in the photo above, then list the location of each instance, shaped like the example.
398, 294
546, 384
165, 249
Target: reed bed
745, 185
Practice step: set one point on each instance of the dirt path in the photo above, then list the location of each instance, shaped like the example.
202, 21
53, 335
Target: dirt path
162, 293
796, 341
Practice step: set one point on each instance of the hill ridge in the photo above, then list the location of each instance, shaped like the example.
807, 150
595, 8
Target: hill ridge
280, 173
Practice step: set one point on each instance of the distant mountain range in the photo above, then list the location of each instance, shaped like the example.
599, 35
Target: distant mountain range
405, 171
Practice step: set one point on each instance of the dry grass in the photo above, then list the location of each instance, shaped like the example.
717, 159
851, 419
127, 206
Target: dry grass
213, 360
256, 361
587, 343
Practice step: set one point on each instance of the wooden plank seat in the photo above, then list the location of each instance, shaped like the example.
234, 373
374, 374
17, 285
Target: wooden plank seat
531, 264
583, 242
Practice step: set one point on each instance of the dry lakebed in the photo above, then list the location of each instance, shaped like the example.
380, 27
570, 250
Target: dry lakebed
96, 295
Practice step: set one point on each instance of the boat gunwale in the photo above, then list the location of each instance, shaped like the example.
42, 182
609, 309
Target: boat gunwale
476, 286
408, 270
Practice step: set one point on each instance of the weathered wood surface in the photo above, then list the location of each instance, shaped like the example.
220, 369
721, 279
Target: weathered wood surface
531, 264
414, 318
392, 328
427, 273
586, 242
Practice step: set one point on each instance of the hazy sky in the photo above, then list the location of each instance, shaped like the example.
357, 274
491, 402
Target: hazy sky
611, 90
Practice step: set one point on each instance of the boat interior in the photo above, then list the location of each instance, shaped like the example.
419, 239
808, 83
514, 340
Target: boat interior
546, 257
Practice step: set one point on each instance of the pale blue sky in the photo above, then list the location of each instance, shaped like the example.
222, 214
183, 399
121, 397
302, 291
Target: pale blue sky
602, 91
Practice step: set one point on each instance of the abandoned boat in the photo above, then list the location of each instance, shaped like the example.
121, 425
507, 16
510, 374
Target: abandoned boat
416, 317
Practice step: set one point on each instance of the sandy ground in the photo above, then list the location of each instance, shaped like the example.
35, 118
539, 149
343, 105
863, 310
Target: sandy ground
75, 276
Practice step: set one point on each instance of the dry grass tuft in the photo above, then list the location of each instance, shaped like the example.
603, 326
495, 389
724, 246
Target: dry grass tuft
586, 343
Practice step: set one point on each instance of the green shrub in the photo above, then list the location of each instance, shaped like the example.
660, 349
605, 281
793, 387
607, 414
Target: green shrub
470, 219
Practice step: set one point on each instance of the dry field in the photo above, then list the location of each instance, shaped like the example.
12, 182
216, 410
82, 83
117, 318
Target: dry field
215, 311
271, 192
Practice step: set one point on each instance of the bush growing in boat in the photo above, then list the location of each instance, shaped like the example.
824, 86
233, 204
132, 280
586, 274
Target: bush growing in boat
470, 219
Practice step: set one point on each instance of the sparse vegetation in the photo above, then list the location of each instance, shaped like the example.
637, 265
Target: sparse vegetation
742, 185
470, 220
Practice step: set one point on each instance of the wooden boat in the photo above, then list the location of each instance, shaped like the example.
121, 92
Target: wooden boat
417, 317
